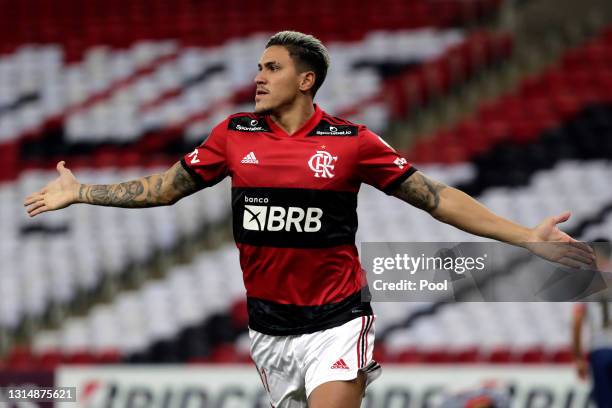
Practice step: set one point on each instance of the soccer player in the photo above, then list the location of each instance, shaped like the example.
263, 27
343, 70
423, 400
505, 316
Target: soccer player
599, 321
295, 173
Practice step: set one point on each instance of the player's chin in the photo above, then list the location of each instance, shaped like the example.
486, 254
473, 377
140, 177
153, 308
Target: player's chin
262, 107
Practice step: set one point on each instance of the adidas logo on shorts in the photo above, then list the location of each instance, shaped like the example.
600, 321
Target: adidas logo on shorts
340, 364
249, 159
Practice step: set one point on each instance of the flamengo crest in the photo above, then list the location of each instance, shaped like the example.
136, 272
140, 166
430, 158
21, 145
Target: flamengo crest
322, 163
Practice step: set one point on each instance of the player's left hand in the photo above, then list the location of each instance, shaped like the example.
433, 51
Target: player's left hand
549, 242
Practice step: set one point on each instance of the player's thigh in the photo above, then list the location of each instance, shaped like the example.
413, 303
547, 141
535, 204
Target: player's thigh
339, 394
279, 370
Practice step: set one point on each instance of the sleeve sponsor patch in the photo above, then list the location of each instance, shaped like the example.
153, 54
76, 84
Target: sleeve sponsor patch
325, 128
248, 124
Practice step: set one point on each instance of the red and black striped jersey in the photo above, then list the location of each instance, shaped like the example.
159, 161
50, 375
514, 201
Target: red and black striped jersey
294, 205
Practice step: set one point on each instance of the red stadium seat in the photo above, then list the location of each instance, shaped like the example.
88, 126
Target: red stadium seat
562, 356
532, 355
8, 157
436, 356
20, 358
500, 355
108, 357
468, 355
411, 355
50, 359
239, 313
79, 358
224, 353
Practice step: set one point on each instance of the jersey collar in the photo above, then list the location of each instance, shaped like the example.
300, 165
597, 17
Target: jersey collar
304, 130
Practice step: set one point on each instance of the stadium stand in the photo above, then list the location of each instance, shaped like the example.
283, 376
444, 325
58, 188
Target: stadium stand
581, 78
209, 23
171, 94
165, 93
90, 98
109, 98
102, 157
86, 245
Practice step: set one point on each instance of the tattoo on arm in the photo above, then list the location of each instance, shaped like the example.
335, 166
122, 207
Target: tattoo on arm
126, 194
420, 191
182, 182
150, 191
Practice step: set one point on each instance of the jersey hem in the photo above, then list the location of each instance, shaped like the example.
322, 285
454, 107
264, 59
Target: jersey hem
306, 330
198, 179
399, 180
194, 175
275, 319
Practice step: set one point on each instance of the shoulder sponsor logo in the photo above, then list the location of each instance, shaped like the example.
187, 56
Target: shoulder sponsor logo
248, 124
250, 128
275, 218
322, 163
327, 129
334, 131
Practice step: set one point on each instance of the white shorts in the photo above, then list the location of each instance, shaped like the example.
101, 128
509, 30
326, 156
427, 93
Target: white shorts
291, 367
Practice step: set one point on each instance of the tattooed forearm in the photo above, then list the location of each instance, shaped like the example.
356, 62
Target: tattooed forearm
420, 191
154, 191
150, 191
127, 195
158, 186
182, 182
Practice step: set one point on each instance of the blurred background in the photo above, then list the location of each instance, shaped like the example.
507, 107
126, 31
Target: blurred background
509, 100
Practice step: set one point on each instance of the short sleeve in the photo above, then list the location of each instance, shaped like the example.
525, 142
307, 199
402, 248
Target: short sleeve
207, 164
379, 164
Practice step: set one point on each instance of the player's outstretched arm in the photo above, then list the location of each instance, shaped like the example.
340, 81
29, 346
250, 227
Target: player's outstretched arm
151, 191
454, 207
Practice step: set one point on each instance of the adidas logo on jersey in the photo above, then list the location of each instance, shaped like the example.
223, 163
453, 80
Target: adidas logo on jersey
249, 159
340, 365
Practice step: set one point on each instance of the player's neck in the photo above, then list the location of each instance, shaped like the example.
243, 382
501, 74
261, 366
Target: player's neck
292, 117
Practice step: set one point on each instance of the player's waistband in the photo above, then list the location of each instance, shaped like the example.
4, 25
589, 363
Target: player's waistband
277, 319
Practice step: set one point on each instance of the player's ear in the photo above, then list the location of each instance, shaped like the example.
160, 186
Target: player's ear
307, 80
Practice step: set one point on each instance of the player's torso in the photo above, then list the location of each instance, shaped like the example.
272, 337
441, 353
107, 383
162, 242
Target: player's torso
599, 315
293, 191
323, 158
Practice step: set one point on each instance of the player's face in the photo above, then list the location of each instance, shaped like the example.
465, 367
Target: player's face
277, 81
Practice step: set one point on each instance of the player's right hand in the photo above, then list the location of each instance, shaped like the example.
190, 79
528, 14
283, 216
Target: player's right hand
59, 193
582, 369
